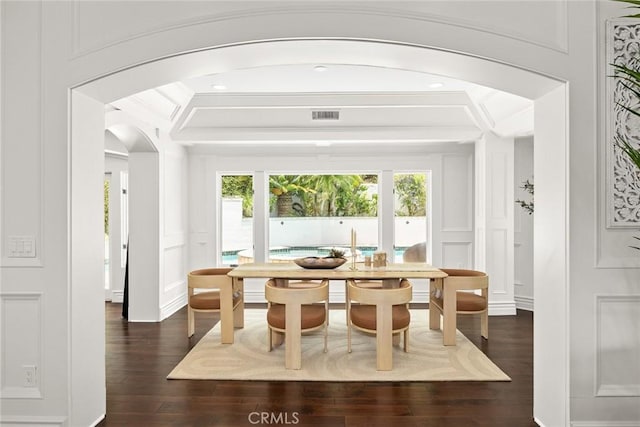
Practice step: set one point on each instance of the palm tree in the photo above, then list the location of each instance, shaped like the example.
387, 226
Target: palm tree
284, 187
328, 187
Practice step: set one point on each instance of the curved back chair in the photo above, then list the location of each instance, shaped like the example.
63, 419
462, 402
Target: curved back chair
218, 296
382, 311
450, 299
291, 311
415, 253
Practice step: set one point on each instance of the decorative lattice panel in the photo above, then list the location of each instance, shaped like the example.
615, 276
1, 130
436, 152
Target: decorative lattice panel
623, 45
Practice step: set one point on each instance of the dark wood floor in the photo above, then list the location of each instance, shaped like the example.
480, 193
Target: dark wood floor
140, 355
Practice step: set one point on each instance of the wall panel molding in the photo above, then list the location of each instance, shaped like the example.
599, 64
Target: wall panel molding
617, 345
32, 60
457, 254
622, 181
21, 340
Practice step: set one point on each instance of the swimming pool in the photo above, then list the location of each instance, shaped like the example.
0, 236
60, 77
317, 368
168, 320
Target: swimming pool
285, 254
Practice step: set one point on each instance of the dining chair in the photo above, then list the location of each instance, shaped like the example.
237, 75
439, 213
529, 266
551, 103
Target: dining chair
383, 311
211, 290
294, 309
454, 295
415, 253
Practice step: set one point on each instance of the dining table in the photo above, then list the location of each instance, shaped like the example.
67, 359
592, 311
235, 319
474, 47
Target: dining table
390, 275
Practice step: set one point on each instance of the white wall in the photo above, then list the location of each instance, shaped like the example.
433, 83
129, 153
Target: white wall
523, 228
49, 47
174, 217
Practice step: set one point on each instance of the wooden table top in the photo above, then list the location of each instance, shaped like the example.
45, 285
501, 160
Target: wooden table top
278, 270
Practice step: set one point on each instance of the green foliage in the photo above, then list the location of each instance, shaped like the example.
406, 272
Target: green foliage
412, 194
240, 186
527, 206
635, 4
335, 253
338, 195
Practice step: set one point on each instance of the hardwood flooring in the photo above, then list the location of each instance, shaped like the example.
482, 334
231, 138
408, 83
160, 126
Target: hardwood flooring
140, 355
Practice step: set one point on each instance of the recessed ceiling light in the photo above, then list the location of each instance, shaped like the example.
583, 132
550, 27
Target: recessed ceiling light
436, 85
218, 86
320, 68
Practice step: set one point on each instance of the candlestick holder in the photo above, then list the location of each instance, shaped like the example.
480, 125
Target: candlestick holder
353, 262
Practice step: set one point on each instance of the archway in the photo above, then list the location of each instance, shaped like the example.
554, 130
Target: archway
551, 144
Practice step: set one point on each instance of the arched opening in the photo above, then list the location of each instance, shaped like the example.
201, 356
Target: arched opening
551, 144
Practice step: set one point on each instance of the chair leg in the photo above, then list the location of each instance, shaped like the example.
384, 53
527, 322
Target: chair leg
484, 324
348, 335
270, 337
406, 340
190, 322
326, 332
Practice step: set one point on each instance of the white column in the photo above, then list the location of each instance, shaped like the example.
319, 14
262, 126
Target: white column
550, 260
144, 237
260, 216
86, 320
494, 220
386, 214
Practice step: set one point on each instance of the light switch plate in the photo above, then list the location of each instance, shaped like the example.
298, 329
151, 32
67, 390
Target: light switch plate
21, 247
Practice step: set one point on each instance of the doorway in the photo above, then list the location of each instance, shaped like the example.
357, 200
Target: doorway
551, 143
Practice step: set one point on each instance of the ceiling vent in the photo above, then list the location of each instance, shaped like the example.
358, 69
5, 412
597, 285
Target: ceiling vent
325, 115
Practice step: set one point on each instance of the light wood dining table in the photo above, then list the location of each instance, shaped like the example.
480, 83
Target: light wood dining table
391, 274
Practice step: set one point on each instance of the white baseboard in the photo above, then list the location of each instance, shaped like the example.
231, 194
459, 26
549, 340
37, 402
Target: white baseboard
32, 421
524, 302
98, 421
117, 296
502, 308
605, 423
172, 306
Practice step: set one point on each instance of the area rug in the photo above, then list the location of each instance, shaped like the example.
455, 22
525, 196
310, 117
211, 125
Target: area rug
249, 359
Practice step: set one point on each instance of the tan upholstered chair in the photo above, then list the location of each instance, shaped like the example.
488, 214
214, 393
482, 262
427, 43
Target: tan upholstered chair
415, 253
450, 297
380, 310
216, 295
291, 311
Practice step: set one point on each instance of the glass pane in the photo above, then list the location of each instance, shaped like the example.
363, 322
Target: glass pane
312, 214
410, 190
237, 219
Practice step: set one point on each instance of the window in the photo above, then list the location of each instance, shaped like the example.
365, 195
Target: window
236, 219
310, 214
411, 220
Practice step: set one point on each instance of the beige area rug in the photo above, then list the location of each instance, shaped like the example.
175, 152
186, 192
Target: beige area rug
248, 358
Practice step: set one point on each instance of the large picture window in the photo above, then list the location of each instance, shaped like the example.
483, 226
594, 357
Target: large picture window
308, 215
312, 214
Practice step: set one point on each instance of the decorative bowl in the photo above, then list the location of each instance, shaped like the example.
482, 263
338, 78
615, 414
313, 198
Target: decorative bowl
314, 262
